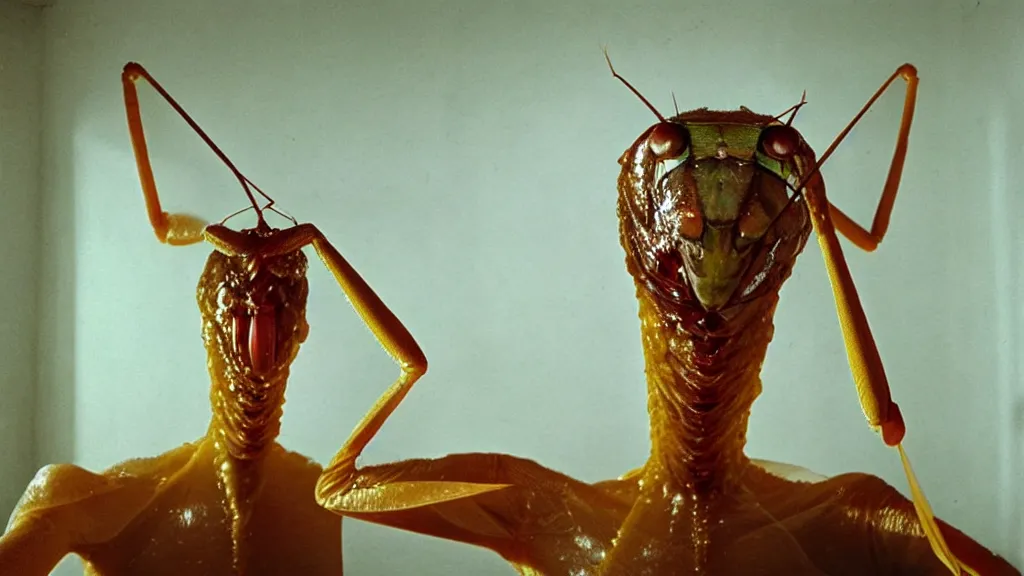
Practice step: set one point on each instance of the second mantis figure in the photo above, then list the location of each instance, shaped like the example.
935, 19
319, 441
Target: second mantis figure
235, 501
714, 208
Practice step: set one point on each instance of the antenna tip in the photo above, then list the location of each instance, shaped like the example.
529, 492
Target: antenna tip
608, 59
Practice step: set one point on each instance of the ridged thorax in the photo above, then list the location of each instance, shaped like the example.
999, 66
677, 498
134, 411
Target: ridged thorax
699, 402
710, 235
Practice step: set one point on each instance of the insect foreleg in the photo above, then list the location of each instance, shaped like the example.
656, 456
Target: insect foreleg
388, 329
869, 239
395, 339
174, 229
865, 363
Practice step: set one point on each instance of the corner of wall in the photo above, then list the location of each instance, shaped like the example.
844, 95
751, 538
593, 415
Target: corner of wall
20, 115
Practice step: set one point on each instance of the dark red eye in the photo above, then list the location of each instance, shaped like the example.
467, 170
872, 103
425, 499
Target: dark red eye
669, 264
780, 142
668, 140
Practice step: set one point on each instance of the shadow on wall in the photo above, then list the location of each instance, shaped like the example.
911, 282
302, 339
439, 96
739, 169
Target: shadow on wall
20, 82
53, 309
55, 370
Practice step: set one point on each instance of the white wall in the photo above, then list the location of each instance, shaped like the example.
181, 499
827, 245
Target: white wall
20, 84
462, 155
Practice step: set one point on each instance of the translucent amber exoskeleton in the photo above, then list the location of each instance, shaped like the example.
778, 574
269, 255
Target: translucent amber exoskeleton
233, 502
714, 208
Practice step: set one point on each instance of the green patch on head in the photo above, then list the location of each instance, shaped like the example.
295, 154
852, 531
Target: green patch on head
739, 140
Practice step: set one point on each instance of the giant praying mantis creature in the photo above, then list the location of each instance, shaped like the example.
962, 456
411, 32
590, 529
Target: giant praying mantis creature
235, 501
714, 208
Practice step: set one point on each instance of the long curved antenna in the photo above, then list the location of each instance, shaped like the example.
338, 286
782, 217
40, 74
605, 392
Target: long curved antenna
131, 73
630, 86
268, 206
271, 203
233, 214
796, 109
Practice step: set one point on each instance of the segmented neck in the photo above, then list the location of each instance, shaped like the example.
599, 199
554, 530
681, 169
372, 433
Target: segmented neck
246, 422
699, 403
246, 413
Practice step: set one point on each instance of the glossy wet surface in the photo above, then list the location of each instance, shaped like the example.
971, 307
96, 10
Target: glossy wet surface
186, 528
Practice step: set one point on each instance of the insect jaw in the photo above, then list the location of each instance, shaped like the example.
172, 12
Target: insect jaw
254, 312
254, 333
255, 320
714, 267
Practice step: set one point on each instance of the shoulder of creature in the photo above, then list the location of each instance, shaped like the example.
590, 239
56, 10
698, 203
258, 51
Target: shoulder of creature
60, 493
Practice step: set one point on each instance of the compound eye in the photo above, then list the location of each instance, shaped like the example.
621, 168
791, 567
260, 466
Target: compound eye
780, 142
668, 140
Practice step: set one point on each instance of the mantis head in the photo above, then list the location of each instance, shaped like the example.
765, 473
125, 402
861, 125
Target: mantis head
253, 302
708, 214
